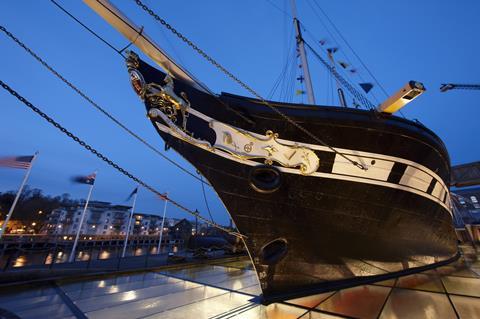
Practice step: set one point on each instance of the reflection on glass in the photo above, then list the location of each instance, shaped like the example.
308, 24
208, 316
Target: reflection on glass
113, 289
20, 261
49, 259
310, 301
405, 303
360, 302
104, 255
420, 282
129, 295
273, 311
158, 295
466, 307
61, 257
138, 252
319, 315
387, 283
83, 255
462, 286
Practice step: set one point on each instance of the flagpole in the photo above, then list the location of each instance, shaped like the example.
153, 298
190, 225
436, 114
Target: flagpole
71, 258
129, 223
161, 229
19, 192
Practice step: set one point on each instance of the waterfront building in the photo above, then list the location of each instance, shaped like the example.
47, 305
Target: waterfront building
105, 218
468, 204
101, 218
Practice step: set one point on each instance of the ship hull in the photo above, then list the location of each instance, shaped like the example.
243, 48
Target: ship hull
337, 225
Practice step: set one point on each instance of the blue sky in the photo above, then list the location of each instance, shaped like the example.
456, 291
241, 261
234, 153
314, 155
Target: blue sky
432, 41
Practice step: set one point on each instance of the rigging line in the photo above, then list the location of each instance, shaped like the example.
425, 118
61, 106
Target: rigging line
328, 80
350, 47
348, 60
342, 71
334, 39
287, 60
313, 37
205, 199
245, 118
280, 77
289, 79
88, 29
135, 40
284, 82
278, 8
242, 84
94, 104
175, 52
276, 84
342, 80
110, 162
290, 88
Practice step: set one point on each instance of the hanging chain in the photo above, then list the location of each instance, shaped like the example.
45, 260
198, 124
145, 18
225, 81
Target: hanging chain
242, 84
95, 105
111, 163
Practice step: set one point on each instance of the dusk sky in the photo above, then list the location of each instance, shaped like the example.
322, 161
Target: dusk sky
431, 41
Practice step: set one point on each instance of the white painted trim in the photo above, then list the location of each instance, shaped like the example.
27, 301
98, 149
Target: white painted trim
416, 178
357, 179
341, 150
380, 170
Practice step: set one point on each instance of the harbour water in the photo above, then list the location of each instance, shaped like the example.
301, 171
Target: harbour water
46, 257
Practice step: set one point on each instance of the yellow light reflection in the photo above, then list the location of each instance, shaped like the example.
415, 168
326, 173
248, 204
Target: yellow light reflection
129, 295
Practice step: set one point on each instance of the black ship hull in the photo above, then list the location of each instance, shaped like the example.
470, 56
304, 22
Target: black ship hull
322, 222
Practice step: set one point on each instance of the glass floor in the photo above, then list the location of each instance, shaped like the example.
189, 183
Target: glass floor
231, 290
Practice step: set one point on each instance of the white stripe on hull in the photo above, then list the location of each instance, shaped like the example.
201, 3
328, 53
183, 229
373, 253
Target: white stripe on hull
360, 154
416, 178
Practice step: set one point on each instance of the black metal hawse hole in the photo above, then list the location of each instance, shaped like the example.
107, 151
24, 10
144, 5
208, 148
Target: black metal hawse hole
265, 179
274, 251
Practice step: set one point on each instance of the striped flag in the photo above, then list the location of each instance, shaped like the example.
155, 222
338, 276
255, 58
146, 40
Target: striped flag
21, 162
89, 179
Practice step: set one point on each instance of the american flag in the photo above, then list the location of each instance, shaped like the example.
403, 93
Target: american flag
89, 179
21, 162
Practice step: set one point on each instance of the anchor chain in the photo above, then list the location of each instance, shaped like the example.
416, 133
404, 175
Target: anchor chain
113, 164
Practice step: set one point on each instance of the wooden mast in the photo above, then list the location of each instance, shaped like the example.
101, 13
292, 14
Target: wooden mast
137, 36
303, 55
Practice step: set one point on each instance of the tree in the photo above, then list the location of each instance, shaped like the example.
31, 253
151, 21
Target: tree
33, 206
